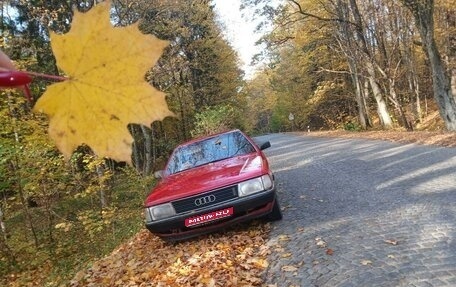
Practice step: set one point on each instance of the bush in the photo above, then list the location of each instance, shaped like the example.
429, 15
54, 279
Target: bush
350, 126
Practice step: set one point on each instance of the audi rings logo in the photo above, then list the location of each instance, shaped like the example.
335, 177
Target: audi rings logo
204, 200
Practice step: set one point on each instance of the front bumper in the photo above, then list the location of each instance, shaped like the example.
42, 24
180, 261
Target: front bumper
244, 209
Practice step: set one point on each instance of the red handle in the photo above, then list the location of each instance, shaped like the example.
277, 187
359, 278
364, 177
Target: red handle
14, 78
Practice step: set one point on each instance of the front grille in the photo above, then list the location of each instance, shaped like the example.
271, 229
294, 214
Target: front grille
221, 195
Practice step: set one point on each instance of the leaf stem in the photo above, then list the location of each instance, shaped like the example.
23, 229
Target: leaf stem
46, 76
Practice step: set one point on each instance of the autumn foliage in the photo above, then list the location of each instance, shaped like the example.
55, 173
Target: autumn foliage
60, 214
236, 258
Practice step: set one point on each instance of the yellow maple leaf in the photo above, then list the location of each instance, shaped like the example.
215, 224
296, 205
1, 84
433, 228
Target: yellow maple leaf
106, 87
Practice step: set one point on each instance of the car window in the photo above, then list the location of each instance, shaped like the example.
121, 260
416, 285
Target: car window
209, 150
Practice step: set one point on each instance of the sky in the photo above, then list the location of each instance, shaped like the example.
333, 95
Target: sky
239, 31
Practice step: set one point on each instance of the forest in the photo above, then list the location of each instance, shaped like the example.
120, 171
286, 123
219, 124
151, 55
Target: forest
326, 65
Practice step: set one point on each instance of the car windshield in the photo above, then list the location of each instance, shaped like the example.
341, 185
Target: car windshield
209, 150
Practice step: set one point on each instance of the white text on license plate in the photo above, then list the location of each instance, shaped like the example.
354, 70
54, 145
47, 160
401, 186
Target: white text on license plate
199, 219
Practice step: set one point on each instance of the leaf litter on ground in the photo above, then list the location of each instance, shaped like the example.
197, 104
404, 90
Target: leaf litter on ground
233, 258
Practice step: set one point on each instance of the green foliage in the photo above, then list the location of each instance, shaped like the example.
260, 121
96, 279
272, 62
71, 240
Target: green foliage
353, 127
213, 120
5, 156
279, 119
256, 103
94, 221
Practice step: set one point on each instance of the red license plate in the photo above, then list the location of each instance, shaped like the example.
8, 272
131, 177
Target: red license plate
204, 218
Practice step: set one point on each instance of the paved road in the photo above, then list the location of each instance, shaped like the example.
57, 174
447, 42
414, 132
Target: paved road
362, 213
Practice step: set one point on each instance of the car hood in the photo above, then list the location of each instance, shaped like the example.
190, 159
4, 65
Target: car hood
208, 177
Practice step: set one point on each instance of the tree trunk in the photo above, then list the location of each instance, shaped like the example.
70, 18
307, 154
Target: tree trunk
423, 12
2, 224
135, 148
412, 77
441, 85
406, 122
183, 115
365, 95
453, 82
100, 170
353, 51
363, 117
147, 166
450, 17
382, 108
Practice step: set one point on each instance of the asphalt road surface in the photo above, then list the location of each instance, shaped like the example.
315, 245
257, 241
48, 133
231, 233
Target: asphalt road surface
362, 213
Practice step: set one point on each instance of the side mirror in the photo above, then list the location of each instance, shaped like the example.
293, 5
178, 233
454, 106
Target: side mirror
265, 145
159, 174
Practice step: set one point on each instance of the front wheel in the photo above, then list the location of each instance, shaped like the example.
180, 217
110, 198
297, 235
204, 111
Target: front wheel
276, 213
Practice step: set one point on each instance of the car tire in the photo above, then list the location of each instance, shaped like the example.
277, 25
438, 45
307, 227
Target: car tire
276, 213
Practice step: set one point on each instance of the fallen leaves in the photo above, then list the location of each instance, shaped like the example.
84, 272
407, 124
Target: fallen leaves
439, 138
365, 262
289, 268
286, 255
284, 237
320, 242
391, 241
235, 258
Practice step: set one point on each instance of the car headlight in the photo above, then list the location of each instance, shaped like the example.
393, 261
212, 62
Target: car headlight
255, 185
159, 212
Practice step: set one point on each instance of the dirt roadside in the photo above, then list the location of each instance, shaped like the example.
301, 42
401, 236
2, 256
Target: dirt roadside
439, 138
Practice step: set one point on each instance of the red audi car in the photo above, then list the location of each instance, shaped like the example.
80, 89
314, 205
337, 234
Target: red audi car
209, 184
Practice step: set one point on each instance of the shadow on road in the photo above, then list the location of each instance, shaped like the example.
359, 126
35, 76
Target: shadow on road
385, 213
